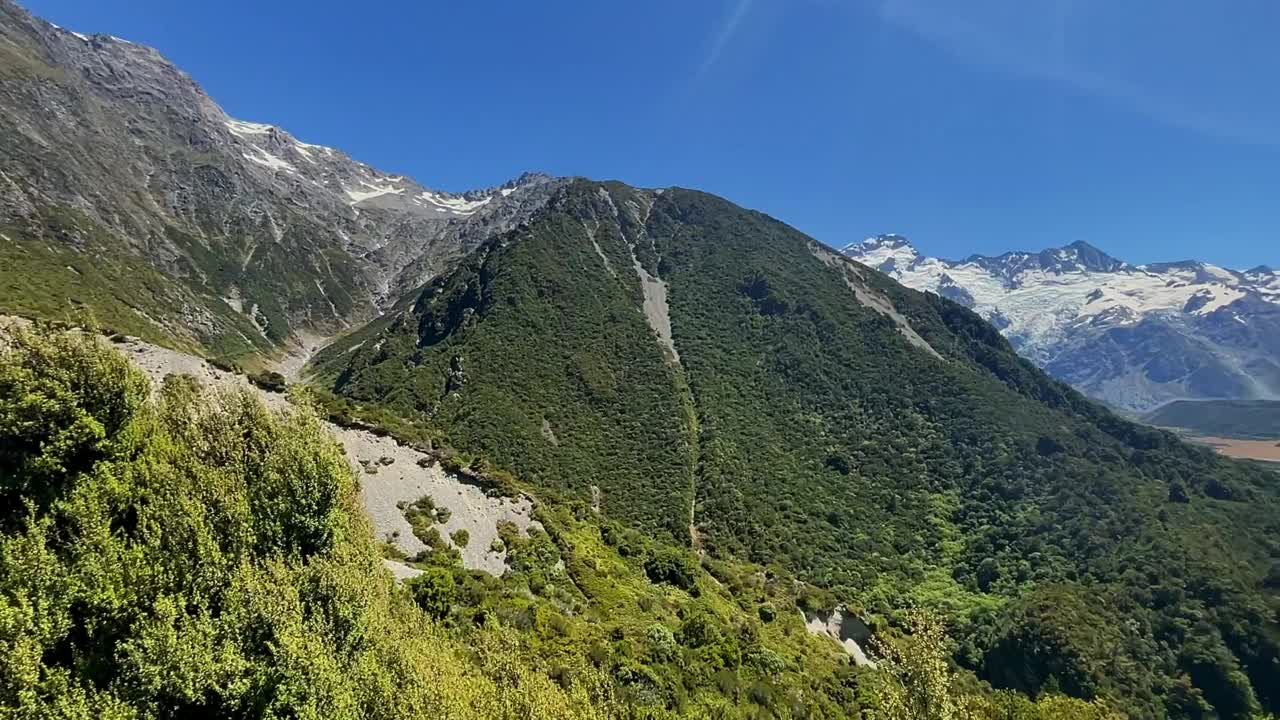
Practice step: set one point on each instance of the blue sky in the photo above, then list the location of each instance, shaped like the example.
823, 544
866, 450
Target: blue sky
1149, 128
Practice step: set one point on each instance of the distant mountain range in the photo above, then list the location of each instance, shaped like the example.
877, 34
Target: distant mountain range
1134, 336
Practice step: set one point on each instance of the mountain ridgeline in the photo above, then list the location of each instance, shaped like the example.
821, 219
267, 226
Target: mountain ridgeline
720, 421
707, 373
1246, 419
128, 190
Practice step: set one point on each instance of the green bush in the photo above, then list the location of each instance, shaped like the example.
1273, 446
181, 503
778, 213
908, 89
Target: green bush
662, 643
269, 380
672, 566
64, 402
767, 612
434, 591
198, 555
225, 365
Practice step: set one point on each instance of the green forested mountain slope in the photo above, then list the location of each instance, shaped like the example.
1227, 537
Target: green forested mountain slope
536, 356
883, 443
184, 552
1248, 419
197, 555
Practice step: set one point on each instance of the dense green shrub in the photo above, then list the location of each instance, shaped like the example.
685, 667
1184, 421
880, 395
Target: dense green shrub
672, 566
434, 591
268, 380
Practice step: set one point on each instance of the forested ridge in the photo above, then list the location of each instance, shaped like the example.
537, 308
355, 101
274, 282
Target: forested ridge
177, 551
1071, 550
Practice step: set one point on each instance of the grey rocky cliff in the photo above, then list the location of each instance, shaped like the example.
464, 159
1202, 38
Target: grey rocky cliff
110, 149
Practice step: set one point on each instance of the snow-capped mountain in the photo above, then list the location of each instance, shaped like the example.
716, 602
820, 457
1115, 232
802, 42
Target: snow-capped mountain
1135, 336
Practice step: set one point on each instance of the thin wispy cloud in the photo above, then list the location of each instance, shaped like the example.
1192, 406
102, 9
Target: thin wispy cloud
724, 34
1028, 39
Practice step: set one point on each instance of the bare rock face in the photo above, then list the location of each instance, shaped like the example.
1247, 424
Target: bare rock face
109, 150
845, 628
390, 473
457, 376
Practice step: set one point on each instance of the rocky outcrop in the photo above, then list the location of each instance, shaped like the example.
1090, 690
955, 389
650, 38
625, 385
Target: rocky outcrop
390, 473
845, 628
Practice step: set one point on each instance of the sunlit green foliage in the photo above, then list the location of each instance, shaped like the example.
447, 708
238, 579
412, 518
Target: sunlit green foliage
576, 589
916, 681
196, 555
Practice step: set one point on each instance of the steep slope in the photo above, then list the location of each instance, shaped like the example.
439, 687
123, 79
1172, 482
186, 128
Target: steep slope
537, 354
127, 189
1133, 336
884, 443
203, 555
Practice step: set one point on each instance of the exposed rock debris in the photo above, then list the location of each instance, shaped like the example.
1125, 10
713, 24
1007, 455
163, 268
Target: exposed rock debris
843, 627
403, 473
868, 296
548, 433
656, 310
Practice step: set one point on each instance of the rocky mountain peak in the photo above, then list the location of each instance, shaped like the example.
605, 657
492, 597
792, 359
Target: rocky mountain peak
1089, 258
1078, 257
891, 241
886, 253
